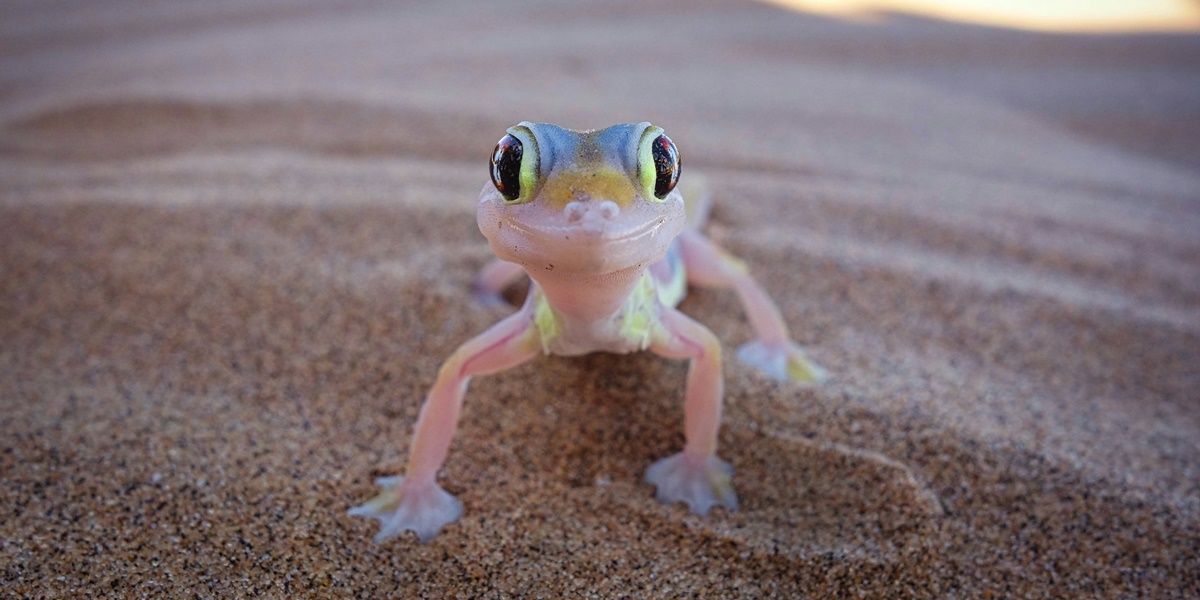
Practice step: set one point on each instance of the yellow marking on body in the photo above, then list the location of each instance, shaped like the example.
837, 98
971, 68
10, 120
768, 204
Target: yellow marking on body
630, 328
548, 327
641, 312
596, 183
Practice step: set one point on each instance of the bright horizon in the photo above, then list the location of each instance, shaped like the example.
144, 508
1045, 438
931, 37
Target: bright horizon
1086, 16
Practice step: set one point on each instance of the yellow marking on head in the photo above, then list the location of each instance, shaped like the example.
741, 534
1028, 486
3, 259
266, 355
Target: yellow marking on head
596, 183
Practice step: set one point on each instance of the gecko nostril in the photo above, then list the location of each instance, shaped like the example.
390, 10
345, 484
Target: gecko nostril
574, 211
609, 209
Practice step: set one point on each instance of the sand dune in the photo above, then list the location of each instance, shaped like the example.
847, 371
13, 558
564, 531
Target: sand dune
237, 243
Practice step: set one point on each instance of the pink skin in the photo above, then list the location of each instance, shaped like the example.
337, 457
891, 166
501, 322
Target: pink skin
503, 346
695, 476
586, 254
416, 502
710, 265
773, 350
586, 266
684, 338
496, 276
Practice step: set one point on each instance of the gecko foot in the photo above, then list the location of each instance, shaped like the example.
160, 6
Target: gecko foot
423, 509
700, 482
783, 362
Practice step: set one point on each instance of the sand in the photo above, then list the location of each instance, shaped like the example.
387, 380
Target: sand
235, 244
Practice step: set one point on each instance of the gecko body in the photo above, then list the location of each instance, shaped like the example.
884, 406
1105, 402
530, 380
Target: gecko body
598, 222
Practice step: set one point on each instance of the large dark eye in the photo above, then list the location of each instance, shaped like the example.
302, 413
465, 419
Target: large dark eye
506, 167
666, 166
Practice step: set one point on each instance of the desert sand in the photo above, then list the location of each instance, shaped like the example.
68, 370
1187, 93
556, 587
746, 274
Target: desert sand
236, 243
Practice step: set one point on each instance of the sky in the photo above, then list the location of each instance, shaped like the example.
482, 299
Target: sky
1099, 16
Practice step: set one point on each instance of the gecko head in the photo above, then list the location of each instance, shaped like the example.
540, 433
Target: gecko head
582, 202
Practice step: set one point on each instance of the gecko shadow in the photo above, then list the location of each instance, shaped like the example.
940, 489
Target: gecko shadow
612, 416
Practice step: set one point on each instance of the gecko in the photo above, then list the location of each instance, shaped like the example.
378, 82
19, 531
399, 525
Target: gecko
598, 221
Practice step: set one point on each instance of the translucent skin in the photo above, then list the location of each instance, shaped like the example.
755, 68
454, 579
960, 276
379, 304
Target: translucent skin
607, 260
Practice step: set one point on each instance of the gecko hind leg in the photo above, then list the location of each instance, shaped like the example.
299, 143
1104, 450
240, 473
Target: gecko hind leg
772, 351
496, 277
782, 362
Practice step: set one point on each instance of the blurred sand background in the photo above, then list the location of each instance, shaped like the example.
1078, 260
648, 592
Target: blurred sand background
236, 241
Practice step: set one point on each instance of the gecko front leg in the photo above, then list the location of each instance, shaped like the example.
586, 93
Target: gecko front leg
415, 501
695, 476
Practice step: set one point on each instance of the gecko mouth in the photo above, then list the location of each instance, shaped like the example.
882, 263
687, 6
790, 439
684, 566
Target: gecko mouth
591, 238
589, 231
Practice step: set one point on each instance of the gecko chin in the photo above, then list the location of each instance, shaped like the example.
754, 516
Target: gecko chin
590, 238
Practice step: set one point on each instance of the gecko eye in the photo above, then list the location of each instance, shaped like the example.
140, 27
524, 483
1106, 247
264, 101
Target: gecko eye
666, 166
506, 167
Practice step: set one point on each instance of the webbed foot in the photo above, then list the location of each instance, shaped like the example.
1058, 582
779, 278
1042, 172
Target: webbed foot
783, 362
700, 482
424, 509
